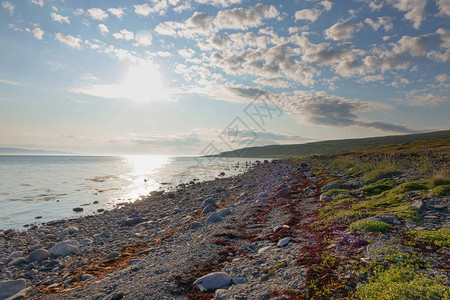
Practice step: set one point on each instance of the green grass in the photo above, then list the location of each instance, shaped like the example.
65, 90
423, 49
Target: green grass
408, 187
380, 173
371, 226
346, 214
441, 190
402, 283
375, 188
439, 237
334, 192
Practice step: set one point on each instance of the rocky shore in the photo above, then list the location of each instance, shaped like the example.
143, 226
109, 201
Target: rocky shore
256, 235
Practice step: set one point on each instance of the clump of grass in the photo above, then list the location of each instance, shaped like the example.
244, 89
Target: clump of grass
380, 173
440, 237
441, 190
402, 283
334, 192
344, 196
408, 187
368, 225
346, 214
440, 178
375, 188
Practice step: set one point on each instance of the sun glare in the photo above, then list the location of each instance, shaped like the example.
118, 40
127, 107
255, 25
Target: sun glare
142, 83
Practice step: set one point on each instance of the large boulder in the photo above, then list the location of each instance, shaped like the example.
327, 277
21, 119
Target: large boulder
9, 288
214, 218
208, 209
64, 248
331, 186
213, 281
38, 255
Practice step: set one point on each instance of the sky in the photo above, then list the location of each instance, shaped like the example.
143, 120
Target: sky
195, 77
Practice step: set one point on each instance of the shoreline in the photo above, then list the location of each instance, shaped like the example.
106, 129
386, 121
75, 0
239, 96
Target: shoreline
267, 233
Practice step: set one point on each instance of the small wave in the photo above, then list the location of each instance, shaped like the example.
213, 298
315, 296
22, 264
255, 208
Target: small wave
102, 178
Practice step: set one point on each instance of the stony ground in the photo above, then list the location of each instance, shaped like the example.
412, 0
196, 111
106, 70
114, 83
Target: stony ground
258, 235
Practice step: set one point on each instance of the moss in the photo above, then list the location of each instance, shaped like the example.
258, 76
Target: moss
370, 226
402, 283
334, 192
441, 190
346, 214
375, 188
384, 201
344, 197
408, 187
405, 212
439, 237
380, 173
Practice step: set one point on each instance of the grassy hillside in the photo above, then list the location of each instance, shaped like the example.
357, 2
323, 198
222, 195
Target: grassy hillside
336, 146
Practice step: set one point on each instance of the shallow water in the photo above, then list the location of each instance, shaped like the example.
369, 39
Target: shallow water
50, 186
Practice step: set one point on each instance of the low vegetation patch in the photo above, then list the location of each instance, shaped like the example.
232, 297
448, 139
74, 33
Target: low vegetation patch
368, 225
403, 283
375, 188
380, 173
441, 190
439, 237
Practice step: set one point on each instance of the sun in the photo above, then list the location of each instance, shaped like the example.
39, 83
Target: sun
142, 83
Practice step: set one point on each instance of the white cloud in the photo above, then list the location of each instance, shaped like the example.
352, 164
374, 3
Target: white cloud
59, 18
275, 82
78, 11
10, 82
158, 6
384, 22
9, 6
428, 99
444, 7
223, 3
38, 2
372, 78
244, 18
185, 6
97, 14
103, 28
143, 38
414, 10
186, 52
38, 33
342, 30
168, 28
308, 14
69, 40
415, 46
442, 78
198, 24
327, 5
118, 12
124, 35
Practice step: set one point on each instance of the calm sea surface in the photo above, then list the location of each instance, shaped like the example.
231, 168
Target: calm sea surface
50, 186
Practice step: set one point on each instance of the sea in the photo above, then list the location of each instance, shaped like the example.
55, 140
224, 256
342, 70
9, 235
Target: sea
37, 189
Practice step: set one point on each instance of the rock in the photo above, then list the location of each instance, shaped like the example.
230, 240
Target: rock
410, 224
331, 186
264, 249
10, 288
77, 209
220, 189
213, 281
391, 219
238, 280
208, 209
276, 228
113, 255
263, 195
170, 195
64, 248
284, 191
38, 255
71, 229
195, 225
214, 218
176, 211
283, 242
15, 254
114, 296
325, 197
220, 294
208, 200
224, 212
418, 204
86, 277
131, 221
16, 261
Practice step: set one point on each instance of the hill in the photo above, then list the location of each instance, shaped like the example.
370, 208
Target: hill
20, 151
334, 146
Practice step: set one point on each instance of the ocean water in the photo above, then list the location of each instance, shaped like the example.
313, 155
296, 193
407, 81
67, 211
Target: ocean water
35, 189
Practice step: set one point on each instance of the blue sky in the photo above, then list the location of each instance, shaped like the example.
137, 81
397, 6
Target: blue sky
199, 76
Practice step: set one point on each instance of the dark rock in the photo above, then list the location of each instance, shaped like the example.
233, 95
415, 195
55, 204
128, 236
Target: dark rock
331, 186
10, 288
38, 255
78, 209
